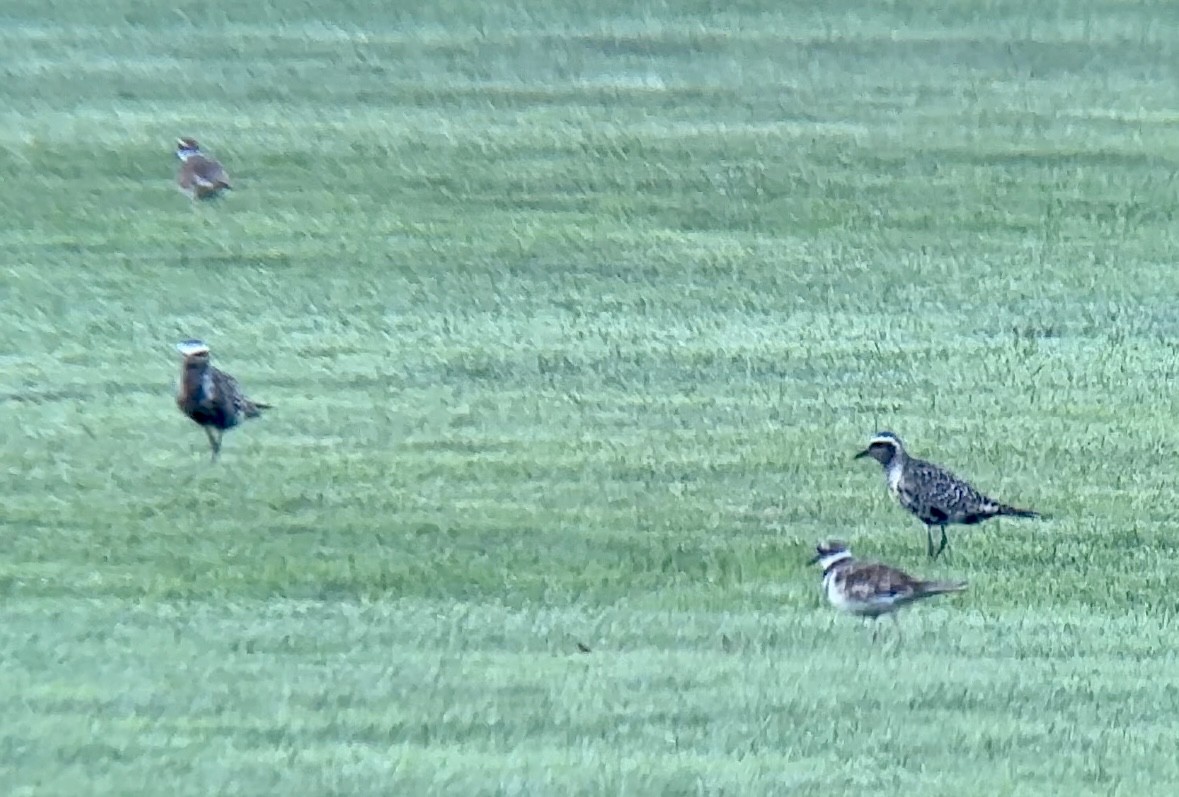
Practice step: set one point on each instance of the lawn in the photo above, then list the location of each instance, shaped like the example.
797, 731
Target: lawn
573, 316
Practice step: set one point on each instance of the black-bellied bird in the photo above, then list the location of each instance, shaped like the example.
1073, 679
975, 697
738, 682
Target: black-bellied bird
211, 397
935, 495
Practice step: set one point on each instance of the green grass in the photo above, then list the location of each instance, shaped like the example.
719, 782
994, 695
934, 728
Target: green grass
573, 315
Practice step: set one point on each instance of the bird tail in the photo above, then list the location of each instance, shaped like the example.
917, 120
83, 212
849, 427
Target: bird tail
1012, 511
254, 409
941, 587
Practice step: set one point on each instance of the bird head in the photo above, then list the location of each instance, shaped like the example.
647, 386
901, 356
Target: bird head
194, 351
186, 148
829, 552
882, 447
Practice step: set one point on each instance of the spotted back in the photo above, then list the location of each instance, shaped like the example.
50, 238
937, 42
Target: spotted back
937, 496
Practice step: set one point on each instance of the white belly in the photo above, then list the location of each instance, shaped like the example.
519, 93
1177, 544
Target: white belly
894, 477
869, 608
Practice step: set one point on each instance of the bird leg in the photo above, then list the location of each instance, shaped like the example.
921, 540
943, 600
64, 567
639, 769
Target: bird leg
214, 441
944, 543
929, 542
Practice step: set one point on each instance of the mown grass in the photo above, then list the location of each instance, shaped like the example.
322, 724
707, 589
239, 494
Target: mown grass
573, 316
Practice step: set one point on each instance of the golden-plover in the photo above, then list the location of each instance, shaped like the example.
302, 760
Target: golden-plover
210, 396
935, 495
871, 589
199, 176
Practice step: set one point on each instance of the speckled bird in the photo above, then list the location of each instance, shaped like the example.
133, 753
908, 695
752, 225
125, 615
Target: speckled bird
935, 495
199, 176
210, 396
871, 589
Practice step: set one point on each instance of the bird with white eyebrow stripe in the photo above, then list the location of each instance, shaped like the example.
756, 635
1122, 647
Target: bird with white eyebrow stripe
211, 397
935, 495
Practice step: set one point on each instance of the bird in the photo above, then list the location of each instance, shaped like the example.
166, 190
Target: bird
935, 495
871, 589
199, 176
211, 397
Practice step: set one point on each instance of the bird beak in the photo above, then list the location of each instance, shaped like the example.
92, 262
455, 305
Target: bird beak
861, 455
814, 560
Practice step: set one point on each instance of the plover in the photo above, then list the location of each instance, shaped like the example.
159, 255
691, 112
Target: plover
935, 495
210, 396
871, 589
199, 176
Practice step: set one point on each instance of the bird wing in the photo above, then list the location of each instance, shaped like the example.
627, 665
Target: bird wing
942, 493
229, 394
870, 581
226, 391
205, 172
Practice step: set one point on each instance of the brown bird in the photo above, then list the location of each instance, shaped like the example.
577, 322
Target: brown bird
199, 177
871, 589
210, 396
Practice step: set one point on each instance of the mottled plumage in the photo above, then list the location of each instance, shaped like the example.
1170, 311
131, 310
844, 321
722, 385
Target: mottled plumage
200, 177
871, 589
211, 397
935, 495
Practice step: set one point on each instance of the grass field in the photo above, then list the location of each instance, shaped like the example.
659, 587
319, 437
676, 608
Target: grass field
574, 315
